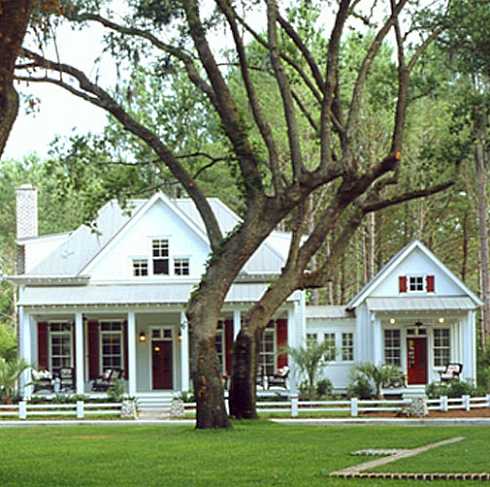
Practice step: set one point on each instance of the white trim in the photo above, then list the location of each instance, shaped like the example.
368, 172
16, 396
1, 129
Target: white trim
134, 219
359, 298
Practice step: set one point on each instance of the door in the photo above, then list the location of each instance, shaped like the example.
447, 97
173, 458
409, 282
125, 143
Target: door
417, 360
162, 371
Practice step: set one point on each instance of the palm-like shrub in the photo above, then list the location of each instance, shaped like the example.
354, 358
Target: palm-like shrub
377, 375
310, 360
10, 371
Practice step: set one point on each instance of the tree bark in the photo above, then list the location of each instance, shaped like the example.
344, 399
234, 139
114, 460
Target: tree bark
481, 176
14, 18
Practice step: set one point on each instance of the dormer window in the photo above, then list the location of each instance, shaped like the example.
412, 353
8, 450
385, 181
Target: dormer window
416, 283
181, 266
140, 267
160, 257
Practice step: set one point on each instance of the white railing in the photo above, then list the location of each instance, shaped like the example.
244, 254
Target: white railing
353, 407
79, 410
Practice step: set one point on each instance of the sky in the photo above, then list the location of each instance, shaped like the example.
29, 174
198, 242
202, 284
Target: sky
60, 113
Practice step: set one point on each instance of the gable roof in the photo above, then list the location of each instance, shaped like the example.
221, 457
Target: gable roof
83, 246
397, 259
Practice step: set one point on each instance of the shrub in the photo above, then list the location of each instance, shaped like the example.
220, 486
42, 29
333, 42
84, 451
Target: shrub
8, 343
324, 387
454, 388
10, 371
360, 387
117, 391
377, 376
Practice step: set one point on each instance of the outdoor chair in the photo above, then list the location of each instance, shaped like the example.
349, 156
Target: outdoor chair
279, 379
105, 381
67, 379
451, 372
42, 380
261, 379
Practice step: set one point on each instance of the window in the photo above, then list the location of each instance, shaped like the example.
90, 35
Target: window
220, 345
347, 346
311, 338
329, 339
392, 348
160, 257
267, 355
60, 339
442, 347
111, 343
140, 267
181, 267
416, 283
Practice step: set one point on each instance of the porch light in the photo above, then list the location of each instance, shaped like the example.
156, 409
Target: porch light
392, 321
441, 320
142, 337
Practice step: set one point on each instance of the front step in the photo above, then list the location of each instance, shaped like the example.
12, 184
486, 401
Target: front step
154, 405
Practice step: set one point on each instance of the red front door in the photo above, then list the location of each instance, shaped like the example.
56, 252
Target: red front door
162, 364
417, 360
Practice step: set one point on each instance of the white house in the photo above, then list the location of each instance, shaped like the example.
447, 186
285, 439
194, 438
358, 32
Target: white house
115, 299
414, 314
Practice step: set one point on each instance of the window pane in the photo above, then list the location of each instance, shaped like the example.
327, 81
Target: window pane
442, 347
347, 346
392, 347
181, 267
160, 266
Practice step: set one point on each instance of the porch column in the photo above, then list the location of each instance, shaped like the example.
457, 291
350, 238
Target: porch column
80, 366
469, 347
292, 379
184, 352
25, 350
378, 341
237, 321
131, 353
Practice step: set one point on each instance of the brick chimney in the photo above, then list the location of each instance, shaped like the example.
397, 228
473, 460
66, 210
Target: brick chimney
27, 224
26, 211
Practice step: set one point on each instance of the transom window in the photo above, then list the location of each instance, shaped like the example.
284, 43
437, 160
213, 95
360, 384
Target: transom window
442, 347
347, 346
393, 348
181, 266
111, 343
60, 340
267, 355
416, 283
329, 339
140, 267
160, 257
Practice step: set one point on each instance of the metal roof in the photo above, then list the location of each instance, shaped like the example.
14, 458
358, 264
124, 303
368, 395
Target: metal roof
327, 312
93, 295
84, 244
432, 303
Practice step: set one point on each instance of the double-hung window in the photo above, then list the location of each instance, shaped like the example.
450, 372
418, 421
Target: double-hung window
347, 347
392, 348
140, 267
329, 339
267, 355
111, 343
160, 257
60, 340
311, 339
416, 283
442, 347
181, 266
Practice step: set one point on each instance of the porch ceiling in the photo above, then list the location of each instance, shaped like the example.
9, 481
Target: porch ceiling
432, 303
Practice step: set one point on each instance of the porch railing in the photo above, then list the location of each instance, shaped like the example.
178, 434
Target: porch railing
293, 407
79, 410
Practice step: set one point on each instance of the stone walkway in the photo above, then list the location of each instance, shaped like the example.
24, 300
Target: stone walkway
363, 470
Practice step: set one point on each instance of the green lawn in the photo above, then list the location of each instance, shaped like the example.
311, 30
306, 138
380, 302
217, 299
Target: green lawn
261, 454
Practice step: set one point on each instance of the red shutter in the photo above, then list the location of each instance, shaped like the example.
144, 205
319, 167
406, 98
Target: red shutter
281, 342
42, 346
125, 345
402, 282
228, 345
430, 284
93, 349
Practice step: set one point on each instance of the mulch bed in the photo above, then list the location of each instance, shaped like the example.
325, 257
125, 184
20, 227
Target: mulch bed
473, 413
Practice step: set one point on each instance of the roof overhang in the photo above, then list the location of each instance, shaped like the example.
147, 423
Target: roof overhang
421, 304
22, 280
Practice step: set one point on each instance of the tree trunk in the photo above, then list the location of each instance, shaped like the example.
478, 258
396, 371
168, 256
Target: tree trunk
481, 175
464, 262
14, 18
243, 388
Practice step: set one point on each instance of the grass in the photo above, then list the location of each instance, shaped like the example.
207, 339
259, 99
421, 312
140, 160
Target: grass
252, 453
